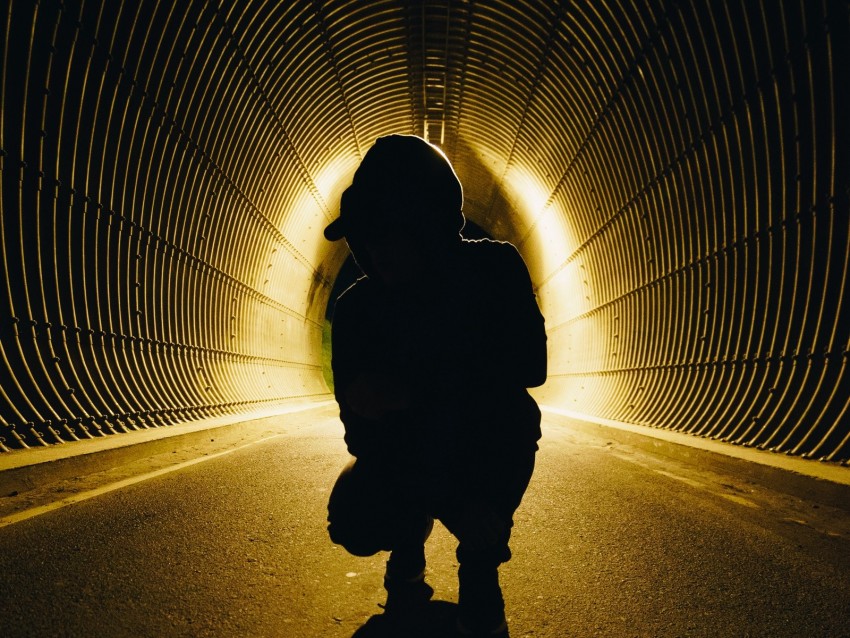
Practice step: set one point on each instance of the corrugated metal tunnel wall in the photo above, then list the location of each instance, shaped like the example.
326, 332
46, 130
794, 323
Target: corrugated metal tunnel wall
674, 174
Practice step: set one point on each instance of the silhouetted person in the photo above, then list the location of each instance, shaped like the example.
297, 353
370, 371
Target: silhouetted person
433, 350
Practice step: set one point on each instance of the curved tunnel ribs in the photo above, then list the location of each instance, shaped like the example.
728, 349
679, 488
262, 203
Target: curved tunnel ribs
674, 174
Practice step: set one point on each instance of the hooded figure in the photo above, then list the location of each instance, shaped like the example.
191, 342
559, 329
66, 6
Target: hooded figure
433, 352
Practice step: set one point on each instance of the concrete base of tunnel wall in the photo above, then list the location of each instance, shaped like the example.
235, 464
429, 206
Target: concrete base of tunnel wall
825, 483
22, 470
821, 482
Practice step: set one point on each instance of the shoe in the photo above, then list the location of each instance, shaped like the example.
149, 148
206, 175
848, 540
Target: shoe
481, 608
495, 628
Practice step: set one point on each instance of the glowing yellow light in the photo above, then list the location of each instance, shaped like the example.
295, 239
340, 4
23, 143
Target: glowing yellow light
548, 246
548, 240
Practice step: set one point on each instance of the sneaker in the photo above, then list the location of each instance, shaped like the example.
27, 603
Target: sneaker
496, 627
481, 608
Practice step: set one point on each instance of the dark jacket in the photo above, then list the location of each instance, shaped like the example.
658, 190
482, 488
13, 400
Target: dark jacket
468, 339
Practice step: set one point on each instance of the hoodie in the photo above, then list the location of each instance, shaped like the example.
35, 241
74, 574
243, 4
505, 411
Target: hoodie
465, 337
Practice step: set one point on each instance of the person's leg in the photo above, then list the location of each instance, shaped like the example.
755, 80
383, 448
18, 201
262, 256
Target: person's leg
370, 510
357, 511
481, 605
407, 550
404, 578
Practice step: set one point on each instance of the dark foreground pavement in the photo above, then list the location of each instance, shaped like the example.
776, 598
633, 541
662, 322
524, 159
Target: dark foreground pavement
610, 541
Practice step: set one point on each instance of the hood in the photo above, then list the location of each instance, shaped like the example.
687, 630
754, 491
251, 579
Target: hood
403, 183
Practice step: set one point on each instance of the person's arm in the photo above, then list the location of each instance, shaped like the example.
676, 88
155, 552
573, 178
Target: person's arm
347, 342
366, 393
517, 326
506, 346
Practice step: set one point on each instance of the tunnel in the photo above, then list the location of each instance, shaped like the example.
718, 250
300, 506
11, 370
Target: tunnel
674, 174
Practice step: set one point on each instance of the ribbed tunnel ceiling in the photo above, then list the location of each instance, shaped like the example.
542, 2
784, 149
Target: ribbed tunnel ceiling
674, 174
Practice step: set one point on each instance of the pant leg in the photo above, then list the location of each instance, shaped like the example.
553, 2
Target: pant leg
510, 478
372, 508
479, 593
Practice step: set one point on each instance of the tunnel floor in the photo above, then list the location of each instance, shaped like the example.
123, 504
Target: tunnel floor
228, 539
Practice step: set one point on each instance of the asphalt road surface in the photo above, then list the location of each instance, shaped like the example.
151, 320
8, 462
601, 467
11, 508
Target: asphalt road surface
228, 539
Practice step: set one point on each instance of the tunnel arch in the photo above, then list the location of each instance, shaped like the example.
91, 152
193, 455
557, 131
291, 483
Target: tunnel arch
674, 174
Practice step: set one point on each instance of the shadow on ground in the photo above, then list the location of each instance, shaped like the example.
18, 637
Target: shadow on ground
436, 621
